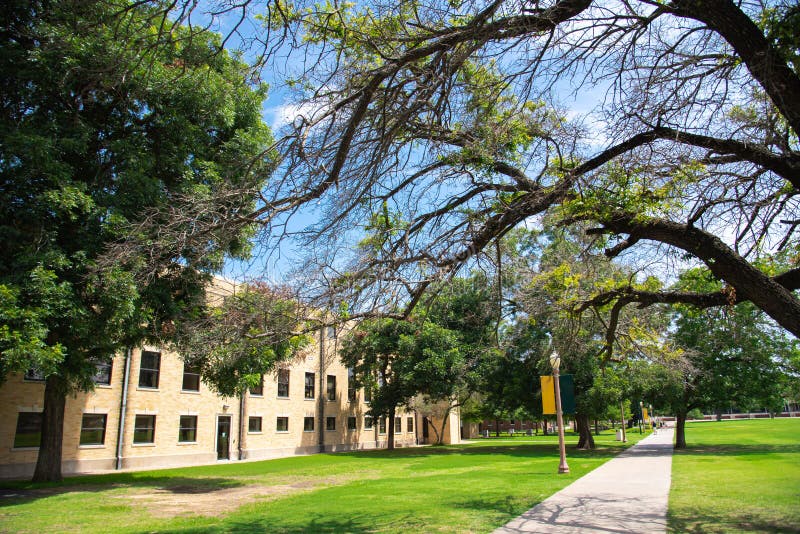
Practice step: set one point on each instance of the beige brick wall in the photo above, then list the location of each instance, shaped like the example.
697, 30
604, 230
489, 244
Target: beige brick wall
168, 402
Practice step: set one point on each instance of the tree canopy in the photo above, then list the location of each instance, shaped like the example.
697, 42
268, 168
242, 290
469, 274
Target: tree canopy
453, 119
99, 138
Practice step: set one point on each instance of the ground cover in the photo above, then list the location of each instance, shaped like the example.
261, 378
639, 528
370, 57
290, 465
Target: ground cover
737, 476
467, 488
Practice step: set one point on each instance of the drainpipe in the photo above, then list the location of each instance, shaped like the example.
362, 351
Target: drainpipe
242, 406
321, 398
123, 405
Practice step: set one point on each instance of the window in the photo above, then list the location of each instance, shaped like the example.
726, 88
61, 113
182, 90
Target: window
398, 425
351, 423
331, 332
149, 369
368, 423
254, 424
330, 423
102, 373
351, 385
283, 382
93, 429
29, 430
382, 425
410, 425
34, 375
309, 385
144, 429
187, 431
282, 424
331, 388
191, 378
367, 395
308, 424
258, 390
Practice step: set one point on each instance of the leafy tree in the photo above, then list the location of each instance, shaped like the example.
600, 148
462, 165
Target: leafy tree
109, 120
397, 359
732, 355
238, 340
434, 358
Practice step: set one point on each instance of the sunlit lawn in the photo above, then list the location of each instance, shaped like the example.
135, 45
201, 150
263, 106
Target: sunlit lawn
737, 476
469, 488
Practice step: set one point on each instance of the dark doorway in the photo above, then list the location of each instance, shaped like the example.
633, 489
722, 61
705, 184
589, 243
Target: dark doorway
223, 437
424, 430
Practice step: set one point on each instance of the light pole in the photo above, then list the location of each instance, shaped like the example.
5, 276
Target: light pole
555, 361
622, 415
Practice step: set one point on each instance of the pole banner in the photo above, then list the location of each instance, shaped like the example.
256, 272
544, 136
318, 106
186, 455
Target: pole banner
548, 395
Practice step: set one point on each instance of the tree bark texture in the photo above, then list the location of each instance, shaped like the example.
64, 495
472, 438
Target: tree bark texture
680, 431
390, 423
585, 438
48, 463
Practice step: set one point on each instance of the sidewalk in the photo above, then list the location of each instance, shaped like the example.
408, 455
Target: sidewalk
627, 494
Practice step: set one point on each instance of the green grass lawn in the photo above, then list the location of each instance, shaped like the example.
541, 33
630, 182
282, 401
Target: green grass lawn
737, 476
468, 488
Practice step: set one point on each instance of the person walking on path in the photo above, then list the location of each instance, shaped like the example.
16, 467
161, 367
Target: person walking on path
627, 494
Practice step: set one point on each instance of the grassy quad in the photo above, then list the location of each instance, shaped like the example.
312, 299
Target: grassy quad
467, 488
737, 476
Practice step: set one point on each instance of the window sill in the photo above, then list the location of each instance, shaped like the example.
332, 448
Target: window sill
103, 386
190, 391
92, 446
281, 431
143, 444
184, 443
310, 399
145, 388
308, 431
250, 433
282, 398
254, 396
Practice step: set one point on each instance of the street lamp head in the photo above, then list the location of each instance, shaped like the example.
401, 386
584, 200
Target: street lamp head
555, 360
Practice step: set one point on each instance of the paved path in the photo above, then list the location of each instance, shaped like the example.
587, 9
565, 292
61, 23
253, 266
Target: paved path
626, 494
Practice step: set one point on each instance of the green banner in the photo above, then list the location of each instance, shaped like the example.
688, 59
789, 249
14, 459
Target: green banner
567, 386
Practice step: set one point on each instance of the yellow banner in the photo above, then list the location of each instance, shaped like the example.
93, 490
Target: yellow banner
548, 395
644, 415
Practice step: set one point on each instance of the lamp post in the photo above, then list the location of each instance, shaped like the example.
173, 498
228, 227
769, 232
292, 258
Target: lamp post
622, 415
555, 361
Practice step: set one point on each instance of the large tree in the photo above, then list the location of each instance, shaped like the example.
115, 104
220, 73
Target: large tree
448, 112
110, 117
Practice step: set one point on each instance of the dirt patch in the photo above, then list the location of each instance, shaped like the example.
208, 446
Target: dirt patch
205, 500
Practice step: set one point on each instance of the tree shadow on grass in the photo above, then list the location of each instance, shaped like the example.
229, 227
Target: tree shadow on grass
23, 492
356, 524
734, 449
533, 450
705, 523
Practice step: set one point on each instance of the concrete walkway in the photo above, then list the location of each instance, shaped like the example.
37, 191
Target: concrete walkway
626, 494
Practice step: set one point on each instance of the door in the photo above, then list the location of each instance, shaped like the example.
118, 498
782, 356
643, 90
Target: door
424, 430
223, 437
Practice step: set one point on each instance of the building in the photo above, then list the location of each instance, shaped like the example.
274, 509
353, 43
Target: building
151, 410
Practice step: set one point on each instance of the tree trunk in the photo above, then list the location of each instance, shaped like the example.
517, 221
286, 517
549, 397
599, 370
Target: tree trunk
680, 430
48, 464
440, 435
497, 428
596, 427
585, 438
544, 427
390, 423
